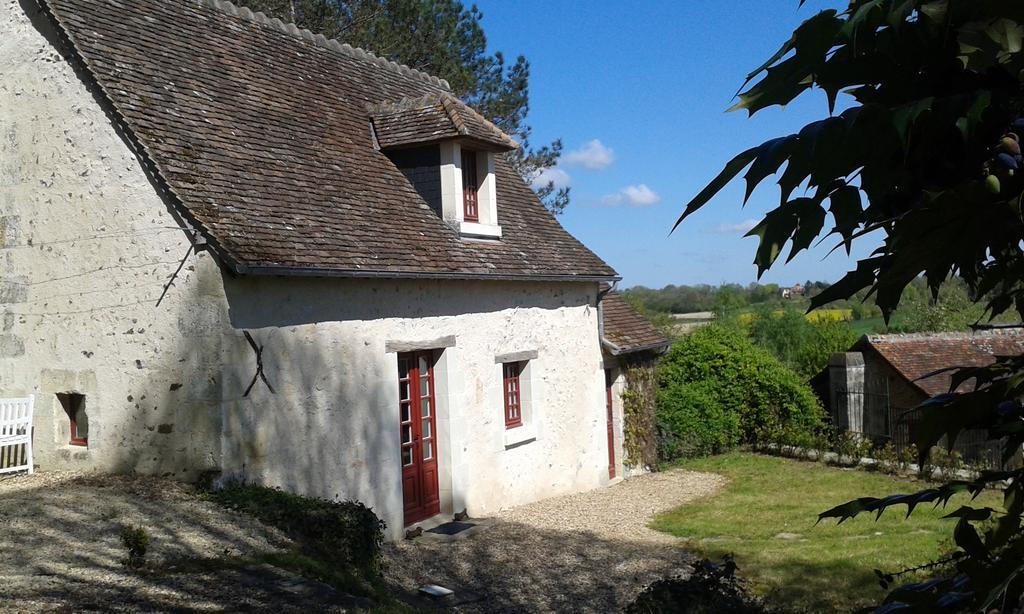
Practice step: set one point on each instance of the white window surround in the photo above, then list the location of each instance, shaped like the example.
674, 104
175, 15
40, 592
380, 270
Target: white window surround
451, 193
528, 431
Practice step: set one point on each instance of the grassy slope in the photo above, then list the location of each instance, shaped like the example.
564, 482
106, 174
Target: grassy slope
828, 567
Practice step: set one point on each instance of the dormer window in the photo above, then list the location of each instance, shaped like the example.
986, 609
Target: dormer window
441, 127
470, 187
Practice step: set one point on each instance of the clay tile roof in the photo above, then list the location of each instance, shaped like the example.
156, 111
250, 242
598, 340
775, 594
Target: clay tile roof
624, 330
261, 136
433, 118
914, 356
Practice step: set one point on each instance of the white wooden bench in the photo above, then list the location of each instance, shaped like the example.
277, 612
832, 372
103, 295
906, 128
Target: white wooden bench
16, 434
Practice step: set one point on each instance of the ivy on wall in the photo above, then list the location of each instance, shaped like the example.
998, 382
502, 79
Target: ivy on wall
639, 404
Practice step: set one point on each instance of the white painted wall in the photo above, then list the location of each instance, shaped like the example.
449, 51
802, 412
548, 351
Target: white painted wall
334, 418
86, 245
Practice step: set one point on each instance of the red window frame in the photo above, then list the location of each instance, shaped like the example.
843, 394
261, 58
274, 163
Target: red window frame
512, 386
72, 403
470, 187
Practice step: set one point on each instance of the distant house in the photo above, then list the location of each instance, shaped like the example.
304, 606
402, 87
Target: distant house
871, 388
793, 291
632, 346
230, 245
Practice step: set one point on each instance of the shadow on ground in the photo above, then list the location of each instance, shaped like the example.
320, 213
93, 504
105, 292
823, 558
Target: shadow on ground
513, 567
60, 550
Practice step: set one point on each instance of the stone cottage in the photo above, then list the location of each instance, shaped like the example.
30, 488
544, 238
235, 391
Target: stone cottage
232, 245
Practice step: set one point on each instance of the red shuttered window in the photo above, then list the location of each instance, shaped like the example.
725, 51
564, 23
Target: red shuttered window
470, 187
513, 395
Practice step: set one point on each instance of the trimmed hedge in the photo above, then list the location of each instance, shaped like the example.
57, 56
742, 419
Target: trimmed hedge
716, 390
343, 532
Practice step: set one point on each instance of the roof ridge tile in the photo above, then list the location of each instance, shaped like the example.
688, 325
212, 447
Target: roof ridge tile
946, 336
319, 40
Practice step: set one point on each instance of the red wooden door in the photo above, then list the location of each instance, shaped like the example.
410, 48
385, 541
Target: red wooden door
418, 428
608, 381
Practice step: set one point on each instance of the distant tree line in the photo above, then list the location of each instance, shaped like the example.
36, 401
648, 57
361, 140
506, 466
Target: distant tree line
689, 299
953, 310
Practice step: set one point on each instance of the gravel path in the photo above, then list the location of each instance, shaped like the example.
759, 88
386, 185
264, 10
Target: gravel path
60, 550
588, 552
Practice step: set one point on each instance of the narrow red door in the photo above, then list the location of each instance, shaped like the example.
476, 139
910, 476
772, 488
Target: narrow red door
608, 381
419, 436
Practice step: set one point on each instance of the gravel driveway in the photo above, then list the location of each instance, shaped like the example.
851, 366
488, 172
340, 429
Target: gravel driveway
589, 552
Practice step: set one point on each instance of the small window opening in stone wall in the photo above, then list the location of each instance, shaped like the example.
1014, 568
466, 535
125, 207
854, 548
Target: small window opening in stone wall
78, 420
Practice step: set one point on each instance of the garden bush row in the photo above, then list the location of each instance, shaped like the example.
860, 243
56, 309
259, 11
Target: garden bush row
716, 390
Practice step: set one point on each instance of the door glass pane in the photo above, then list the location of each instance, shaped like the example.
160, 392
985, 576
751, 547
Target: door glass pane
405, 413
424, 384
403, 391
428, 450
426, 428
406, 456
425, 407
403, 368
407, 434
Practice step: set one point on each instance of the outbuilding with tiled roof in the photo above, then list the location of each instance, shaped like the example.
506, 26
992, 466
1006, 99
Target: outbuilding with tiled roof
875, 387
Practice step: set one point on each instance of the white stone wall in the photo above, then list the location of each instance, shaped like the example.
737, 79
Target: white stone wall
86, 246
332, 426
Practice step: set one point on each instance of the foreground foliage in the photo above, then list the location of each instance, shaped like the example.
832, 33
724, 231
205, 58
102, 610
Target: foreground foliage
710, 588
928, 156
716, 391
766, 515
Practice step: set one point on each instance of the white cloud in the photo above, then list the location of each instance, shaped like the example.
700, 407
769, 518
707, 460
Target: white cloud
593, 155
740, 227
560, 178
634, 195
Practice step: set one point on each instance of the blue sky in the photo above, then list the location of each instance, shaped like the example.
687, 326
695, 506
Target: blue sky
650, 82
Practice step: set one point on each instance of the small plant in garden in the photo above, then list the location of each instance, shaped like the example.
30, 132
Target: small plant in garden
888, 458
136, 541
851, 447
948, 463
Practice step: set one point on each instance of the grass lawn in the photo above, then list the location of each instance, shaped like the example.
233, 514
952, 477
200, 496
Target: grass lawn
818, 568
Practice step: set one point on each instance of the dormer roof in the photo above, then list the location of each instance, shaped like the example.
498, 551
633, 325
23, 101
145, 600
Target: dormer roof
434, 118
259, 135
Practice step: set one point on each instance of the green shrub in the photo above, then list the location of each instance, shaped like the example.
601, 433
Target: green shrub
343, 532
701, 424
801, 345
136, 541
717, 390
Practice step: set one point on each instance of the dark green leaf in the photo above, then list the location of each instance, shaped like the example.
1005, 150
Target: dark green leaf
967, 538
770, 157
731, 169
